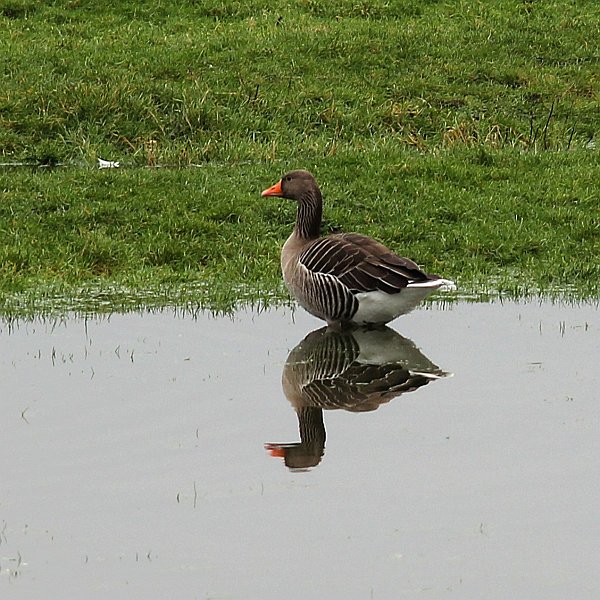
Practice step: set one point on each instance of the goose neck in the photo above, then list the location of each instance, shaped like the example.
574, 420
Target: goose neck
308, 215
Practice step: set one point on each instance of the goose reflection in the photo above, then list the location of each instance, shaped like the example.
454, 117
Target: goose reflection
355, 370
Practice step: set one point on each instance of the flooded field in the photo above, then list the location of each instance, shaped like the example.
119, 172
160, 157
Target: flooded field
161, 455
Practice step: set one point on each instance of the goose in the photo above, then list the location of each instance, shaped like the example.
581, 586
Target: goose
346, 278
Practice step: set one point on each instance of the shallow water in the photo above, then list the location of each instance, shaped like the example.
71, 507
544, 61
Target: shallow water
137, 456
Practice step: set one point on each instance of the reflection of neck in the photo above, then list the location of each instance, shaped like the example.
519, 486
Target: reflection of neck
311, 427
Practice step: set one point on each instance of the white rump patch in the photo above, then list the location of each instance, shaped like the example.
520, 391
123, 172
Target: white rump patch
435, 284
379, 307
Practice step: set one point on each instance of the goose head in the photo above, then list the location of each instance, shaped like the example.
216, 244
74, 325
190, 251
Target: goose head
295, 185
302, 187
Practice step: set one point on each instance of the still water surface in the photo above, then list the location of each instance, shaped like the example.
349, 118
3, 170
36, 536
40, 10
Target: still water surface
162, 455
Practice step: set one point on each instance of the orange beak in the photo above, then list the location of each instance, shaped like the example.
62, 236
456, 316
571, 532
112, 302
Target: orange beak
276, 450
274, 190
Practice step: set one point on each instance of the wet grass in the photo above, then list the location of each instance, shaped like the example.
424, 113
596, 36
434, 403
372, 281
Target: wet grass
461, 134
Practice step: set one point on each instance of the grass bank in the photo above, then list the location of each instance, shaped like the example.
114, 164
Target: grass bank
461, 134
514, 223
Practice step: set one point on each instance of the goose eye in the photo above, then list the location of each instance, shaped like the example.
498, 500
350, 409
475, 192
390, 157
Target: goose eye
288, 178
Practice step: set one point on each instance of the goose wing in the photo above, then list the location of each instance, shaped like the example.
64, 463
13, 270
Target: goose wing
361, 263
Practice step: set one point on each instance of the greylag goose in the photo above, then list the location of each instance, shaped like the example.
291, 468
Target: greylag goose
355, 370
347, 277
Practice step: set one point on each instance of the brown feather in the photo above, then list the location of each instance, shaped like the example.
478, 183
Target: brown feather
360, 263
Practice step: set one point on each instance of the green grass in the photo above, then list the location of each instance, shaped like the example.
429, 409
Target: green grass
462, 134
202, 81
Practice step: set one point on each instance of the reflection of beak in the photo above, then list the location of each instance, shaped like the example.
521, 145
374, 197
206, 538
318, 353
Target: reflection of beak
275, 450
274, 190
